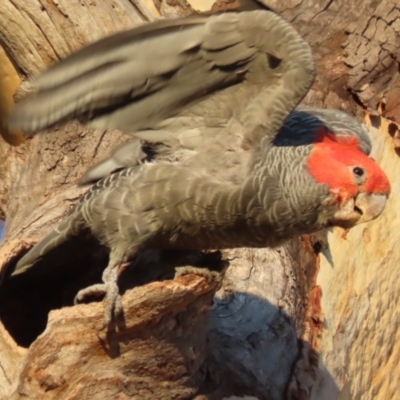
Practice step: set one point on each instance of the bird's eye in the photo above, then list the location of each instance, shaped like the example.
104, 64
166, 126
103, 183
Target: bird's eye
358, 171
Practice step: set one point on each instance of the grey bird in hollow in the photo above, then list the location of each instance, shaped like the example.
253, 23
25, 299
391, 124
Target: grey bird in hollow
220, 157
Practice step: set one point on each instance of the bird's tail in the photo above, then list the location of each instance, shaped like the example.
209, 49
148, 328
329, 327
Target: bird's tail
68, 227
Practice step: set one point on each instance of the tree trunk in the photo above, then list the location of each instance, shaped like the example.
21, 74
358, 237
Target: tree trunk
286, 323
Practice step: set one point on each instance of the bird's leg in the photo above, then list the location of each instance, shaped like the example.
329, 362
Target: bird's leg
109, 288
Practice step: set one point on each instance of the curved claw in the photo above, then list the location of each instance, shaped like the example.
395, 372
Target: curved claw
112, 299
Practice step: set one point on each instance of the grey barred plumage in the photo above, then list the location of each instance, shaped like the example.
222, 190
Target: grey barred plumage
299, 128
338, 122
225, 162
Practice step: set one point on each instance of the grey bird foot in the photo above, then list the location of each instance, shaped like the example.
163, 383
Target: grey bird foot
210, 276
113, 312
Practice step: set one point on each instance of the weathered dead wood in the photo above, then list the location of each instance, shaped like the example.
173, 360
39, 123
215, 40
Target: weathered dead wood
356, 45
157, 356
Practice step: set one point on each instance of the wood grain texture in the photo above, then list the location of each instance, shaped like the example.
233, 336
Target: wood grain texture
356, 48
157, 356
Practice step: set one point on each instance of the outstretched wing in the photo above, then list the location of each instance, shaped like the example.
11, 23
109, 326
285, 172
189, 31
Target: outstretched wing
136, 79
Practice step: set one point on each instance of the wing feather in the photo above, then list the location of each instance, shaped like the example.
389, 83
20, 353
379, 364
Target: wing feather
136, 79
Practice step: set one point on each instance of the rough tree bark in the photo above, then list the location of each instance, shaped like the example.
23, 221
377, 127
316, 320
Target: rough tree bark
263, 333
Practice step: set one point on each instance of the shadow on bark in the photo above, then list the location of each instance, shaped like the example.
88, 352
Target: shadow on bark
243, 345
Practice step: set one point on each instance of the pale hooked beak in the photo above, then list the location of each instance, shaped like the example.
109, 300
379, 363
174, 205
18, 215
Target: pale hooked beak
370, 206
364, 208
